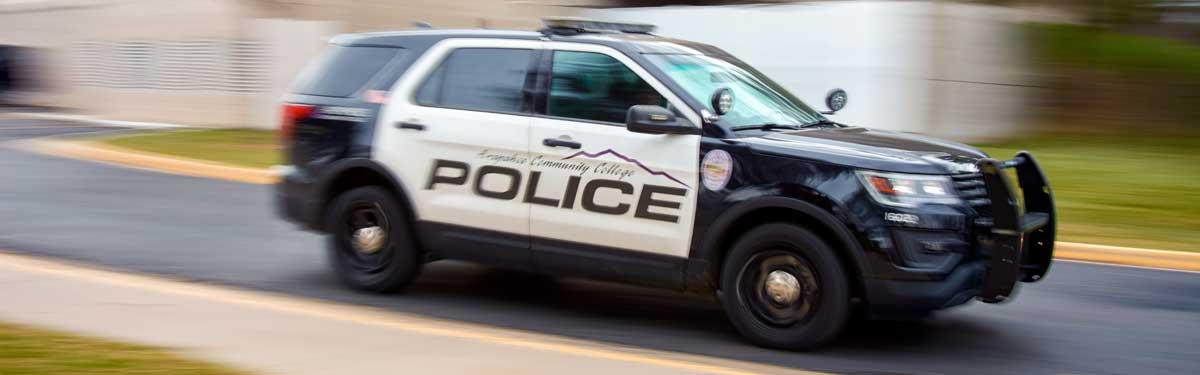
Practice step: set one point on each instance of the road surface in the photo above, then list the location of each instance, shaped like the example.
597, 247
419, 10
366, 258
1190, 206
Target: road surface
1083, 318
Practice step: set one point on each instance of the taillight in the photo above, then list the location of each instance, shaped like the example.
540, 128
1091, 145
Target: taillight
292, 113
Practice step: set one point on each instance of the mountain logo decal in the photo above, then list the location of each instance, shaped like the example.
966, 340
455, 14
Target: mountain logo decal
627, 159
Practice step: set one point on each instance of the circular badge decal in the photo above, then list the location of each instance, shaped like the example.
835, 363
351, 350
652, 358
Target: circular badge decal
716, 169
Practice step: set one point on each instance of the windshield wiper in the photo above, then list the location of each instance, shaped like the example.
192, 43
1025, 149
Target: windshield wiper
767, 126
819, 123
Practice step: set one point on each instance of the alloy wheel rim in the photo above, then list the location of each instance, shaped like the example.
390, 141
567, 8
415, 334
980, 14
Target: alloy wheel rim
780, 288
366, 230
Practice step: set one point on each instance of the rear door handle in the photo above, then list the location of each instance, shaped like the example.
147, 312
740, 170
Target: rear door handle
410, 125
555, 142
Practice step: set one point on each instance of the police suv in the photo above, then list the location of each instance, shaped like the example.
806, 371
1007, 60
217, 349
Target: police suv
601, 150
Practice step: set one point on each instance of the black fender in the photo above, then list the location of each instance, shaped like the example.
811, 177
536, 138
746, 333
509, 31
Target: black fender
706, 258
333, 178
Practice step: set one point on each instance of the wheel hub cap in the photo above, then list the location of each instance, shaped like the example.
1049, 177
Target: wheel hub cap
369, 240
782, 287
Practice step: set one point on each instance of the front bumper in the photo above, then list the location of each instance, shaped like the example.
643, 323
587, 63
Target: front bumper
903, 299
1021, 242
1011, 242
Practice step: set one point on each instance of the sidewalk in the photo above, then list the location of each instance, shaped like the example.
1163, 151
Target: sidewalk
273, 334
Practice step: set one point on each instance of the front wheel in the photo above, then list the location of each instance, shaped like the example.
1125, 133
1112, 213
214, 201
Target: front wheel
784, 287
370, 243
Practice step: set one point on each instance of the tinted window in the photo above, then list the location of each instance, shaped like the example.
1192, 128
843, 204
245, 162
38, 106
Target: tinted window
594, 86
343, 70
391, 73
487, 79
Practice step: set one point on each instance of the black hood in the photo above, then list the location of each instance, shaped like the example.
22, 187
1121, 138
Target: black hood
870, 149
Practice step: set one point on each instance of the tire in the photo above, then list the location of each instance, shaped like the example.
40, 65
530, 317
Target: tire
384, 265
792, 318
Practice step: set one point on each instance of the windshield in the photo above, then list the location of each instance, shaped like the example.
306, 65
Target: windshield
756, 100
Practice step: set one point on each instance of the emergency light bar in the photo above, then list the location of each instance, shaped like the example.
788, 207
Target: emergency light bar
586, 25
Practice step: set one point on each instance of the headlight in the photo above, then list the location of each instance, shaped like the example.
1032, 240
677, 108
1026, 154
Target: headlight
909, 190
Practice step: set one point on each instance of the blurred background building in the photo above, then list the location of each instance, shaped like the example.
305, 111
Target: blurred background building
220, 63
959, 69
953, 69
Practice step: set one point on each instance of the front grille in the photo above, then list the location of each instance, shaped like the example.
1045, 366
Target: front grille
973, 191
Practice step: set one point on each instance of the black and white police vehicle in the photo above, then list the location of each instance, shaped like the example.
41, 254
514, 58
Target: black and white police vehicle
600, 150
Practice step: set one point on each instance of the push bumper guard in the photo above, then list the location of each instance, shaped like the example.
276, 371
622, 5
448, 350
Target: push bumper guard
1021, 244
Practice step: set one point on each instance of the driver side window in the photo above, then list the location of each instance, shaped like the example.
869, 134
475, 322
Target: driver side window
596, 87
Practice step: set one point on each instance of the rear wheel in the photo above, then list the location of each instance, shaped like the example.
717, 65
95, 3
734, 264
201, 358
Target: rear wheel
370, 243
783, 287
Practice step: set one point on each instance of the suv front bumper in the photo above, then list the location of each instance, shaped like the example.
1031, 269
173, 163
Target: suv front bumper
1021, 242
1014, 246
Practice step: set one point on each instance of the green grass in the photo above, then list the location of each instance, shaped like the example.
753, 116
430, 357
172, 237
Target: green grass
242, 147
34, 351
1114, 185
1097, 48
1121, 189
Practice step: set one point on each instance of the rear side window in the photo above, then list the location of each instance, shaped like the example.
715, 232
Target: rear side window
485, 79
343, 70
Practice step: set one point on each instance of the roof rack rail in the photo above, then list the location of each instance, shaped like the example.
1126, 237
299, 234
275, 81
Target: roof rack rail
576, 25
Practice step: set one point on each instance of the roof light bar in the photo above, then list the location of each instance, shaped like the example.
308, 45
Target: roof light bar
583, 24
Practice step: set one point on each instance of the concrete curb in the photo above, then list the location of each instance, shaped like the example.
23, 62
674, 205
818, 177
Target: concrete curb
168, 164
1173, 260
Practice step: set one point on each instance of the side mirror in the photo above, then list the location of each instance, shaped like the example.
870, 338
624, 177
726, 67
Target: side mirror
653, 119
835, 100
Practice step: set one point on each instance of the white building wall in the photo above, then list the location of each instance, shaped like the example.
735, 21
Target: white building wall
291, 45
213, 63
945, 69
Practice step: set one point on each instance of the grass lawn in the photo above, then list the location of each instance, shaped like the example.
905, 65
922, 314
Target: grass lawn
1097, 48
1114, 185
33, 351
243, 147
1134, 190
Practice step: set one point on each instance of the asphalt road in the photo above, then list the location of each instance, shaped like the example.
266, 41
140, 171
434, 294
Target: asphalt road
1082, 319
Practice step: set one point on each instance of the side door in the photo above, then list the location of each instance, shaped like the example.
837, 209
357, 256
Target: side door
456, 134
603, 193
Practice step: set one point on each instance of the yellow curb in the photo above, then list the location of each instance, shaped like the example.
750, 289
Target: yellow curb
1175, 260
162, 163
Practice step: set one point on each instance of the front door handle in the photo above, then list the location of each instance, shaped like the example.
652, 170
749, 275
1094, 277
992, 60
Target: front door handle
410, 125
555, 142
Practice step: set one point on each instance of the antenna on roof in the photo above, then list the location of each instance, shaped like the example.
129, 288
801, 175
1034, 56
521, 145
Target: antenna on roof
422, 25
575, 25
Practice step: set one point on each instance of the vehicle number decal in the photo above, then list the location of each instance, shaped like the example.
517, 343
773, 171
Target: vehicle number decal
909, 219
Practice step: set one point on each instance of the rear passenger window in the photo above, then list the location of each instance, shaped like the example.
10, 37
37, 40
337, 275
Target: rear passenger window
343, 70
485, 79
594, 86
